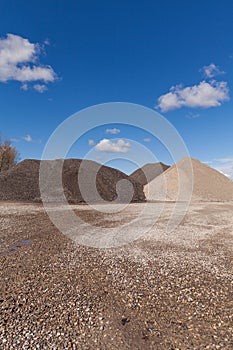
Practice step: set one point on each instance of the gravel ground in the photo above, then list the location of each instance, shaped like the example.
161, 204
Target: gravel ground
160, 292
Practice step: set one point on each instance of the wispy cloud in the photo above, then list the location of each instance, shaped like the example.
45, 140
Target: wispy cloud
19, 61
40, 88
28, 138
47, 42
147, 139
119, 146
113, 131
204, 95
191, 115
24, 87
224, 165
224, 160
91, 142
211, 71
14, 140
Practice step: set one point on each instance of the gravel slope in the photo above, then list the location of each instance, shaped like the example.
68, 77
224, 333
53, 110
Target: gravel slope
21, 182
208, 183
148, 172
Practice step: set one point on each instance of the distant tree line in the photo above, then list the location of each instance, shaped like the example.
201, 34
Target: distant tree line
9, 155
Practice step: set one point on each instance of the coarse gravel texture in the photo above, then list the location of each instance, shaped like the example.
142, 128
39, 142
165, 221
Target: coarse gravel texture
148, 172
160, 292
190, 178
99, 182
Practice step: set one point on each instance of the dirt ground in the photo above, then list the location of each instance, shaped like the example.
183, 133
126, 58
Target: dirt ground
163, 291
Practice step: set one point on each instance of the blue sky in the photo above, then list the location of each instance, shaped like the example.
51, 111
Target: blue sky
58, 57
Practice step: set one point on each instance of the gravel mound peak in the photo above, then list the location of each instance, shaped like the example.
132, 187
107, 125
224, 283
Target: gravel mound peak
208, 183
21, 182
148, 172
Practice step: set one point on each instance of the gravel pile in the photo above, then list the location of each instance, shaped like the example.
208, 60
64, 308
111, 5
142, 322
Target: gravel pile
148, 172
21, 183
208, 183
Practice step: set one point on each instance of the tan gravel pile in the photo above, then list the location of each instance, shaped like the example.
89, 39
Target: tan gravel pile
208, 183
148, 172
21, 183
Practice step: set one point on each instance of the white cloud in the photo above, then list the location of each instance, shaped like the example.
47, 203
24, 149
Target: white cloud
28, 138
211, 71
91, 142
14, 140
40, 87
147, 139
191, 115
112, 131
19, 61
120, 146
223, 165
227, 170
225, 160
47, 42
24, 87
34, 73
203, 95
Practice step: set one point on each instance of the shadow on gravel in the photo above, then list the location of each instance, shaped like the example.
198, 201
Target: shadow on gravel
16, 245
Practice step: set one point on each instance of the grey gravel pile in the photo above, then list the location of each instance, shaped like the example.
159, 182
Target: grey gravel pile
21, 182
148, 172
